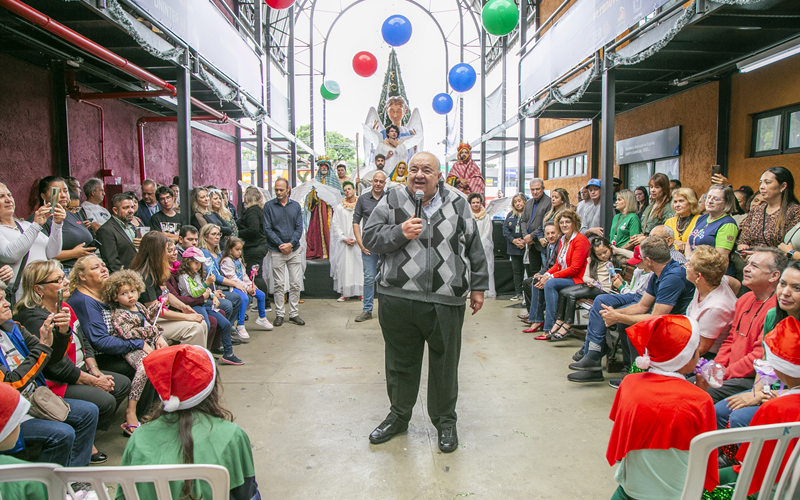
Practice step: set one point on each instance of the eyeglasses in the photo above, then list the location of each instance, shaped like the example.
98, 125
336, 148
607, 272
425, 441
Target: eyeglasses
57, 280
714, 199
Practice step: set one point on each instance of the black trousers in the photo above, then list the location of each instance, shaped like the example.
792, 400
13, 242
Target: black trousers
407, 325
568, 297
106, 402
518, 269
117, 364
534, 260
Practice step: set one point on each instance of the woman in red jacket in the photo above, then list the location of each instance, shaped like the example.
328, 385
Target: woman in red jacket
573, 251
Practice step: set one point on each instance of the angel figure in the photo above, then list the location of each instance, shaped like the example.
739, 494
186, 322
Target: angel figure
397, 142
483, 218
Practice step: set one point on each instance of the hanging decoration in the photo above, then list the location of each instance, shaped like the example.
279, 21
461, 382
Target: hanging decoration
500, 17
144, 36
279, 4
462, 77
396, 30
442, 103
330, 90
365, 64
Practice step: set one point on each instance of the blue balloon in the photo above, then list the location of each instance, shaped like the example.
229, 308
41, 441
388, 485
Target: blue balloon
462, 77
442, 103
396, 30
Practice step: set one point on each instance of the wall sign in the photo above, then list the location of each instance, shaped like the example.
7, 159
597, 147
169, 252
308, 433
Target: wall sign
661, 144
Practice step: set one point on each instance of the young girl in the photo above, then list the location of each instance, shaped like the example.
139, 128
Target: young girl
233, 268
596, 280
193, 282
132, 321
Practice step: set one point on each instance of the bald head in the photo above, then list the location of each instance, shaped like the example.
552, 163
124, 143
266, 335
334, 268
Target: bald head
378, 183
665, 232
423, 174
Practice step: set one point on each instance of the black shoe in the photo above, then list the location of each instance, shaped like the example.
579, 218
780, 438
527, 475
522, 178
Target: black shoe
236, 340
583, 377
578, 355
448, 439
613, 382
388, 429
218, 352
278, 321
592, 362
98, 458
297, 321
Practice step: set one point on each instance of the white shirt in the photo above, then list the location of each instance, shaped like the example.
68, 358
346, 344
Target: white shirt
96, 213
14, 245
562, 255
714, 314
434, 205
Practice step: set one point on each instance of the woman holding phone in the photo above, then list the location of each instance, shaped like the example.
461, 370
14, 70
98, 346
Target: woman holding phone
76, 240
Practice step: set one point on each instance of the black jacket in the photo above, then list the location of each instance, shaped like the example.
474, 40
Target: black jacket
531, 221
251, 231
63, 371
117, 249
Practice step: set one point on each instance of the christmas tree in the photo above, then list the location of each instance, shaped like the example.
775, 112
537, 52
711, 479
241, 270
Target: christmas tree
392, 87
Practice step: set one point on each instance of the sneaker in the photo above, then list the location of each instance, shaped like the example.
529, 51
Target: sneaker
364, 316
614, 382
515, 298
341, 299
242, 333
264, 323
231, 359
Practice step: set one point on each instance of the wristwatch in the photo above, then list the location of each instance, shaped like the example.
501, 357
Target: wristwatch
790, 254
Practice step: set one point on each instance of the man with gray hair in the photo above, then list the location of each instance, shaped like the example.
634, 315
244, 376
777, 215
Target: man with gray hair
668, 234
96, 213
532, 218
148, 205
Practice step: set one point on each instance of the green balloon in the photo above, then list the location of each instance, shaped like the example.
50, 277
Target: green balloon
330, 90
500, 17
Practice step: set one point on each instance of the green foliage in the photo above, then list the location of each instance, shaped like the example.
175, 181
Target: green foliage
338, 147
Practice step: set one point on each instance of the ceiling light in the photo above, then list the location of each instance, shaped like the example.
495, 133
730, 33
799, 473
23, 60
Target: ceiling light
770, 56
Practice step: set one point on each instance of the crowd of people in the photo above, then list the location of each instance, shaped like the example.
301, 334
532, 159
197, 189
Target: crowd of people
105, 306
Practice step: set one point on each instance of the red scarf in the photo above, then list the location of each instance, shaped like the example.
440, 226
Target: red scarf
57, 387
657, 412
783, 409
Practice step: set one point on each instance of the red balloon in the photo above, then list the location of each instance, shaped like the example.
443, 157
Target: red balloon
365, 64
279, 4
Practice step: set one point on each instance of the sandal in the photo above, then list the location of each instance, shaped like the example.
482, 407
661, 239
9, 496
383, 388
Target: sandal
546, 336
557, 335
535, 327
127, 429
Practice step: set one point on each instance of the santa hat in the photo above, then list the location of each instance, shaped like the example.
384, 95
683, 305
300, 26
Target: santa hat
665, 342
782, 347
183, 375
13, 409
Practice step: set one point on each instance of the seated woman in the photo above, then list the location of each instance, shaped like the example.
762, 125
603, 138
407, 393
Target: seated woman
22, 359
76, 375
208, 242
716, 228
596, 280
653, 458
191, 427
573, 251
152, 264
714, 298
626, 223
9, 435
687, 211
738, 410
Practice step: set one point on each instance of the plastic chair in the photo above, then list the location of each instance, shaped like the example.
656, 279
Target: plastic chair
702, 446
160, 475
43, 473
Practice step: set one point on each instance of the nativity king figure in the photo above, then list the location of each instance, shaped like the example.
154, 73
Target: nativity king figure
318, 237
465, 175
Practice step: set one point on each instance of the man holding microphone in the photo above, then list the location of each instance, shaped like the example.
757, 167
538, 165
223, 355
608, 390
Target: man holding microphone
430, 265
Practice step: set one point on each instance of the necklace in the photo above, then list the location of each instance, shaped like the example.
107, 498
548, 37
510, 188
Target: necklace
682, 223
349, 206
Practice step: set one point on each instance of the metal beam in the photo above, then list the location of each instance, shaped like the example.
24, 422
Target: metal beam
60, 122
724, 122
607, 151
291, 85
184, 95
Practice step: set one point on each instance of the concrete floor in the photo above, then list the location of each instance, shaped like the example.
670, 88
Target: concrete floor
309, 396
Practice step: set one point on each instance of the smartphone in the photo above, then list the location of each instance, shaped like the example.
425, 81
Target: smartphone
716, 169
95, 244
60, 301
54, 191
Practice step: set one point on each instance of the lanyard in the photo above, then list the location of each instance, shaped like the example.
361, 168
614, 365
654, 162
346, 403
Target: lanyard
739, 323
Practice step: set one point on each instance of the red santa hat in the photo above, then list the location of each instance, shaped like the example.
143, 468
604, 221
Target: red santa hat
665, 342
782, 347
183, 375
13, 409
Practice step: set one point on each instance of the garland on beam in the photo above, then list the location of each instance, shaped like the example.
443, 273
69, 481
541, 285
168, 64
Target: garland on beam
142, 35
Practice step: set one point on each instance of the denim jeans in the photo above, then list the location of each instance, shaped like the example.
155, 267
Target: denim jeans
596, 331
67, 443
246, 301
736, 418
370, 271
235, 304
550, 293
223, 324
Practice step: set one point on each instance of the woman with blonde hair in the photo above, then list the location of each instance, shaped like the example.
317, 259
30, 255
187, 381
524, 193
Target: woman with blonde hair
659, 210
219, 207
626, 223
515, 245
687, 211
202, 214
252, 233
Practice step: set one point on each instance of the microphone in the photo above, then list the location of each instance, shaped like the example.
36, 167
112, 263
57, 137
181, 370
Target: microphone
418, 204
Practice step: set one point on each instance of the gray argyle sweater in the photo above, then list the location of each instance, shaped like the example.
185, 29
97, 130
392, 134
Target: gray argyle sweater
443, 265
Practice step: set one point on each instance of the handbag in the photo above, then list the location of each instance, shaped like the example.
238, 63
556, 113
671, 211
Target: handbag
46, 405
11, 290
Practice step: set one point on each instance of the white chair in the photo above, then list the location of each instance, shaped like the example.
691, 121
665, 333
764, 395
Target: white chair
43, 473
702, 446
160, 475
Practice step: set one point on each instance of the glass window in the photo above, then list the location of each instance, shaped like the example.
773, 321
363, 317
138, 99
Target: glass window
768, 133
579, 166
669, 167
638, 174
550, 170
794, 130
571, 166
567, 167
